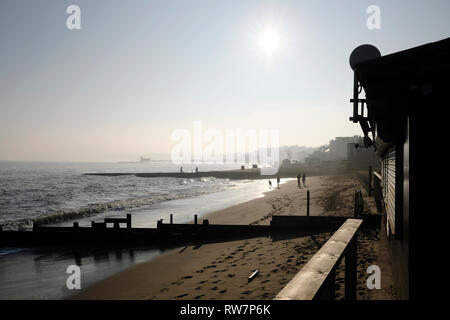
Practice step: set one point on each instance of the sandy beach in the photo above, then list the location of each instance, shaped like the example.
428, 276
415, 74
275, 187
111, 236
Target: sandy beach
221, 270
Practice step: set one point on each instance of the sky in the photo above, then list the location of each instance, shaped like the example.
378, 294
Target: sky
137, 71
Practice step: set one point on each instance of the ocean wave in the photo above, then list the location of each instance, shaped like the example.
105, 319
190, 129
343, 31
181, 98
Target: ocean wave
114, 205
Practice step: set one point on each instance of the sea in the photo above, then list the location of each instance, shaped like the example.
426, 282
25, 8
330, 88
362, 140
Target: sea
58, 193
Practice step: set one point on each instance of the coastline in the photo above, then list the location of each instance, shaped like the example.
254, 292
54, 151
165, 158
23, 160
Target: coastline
220, 270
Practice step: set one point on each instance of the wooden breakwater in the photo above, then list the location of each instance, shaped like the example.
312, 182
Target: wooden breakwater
110, 232
251, 174
225, 174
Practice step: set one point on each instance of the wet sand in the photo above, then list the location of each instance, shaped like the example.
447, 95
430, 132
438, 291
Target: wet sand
221, 270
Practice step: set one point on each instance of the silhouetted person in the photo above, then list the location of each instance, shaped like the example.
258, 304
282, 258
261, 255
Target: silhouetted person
270, 184
304, 179
298, 180
196, 169
278, 182
181, 169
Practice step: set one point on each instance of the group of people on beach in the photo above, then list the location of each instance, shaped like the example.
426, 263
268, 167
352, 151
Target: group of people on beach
278, 183
301, 177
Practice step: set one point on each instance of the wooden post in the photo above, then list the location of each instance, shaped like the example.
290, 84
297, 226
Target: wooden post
92, 224
195, 219
370, 181
307, 203
350, 270
361, 203
171, 218
356, 204
76, 225
128, 220
35, 226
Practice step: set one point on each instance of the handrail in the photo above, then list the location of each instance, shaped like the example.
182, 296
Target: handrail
376, 174
316, 280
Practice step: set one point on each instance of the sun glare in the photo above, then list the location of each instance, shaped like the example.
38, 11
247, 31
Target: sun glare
269, 41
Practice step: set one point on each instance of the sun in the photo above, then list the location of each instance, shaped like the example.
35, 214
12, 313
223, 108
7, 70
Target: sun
269, 40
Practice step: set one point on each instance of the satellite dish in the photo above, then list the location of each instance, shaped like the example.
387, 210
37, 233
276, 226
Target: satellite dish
363, 53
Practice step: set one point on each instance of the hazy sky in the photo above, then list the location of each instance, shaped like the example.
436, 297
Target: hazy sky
138, 70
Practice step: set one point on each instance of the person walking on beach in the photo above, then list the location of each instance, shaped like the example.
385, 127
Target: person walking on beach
278, 182
181, 169
196, 169
303, 179
270, 184
298, 180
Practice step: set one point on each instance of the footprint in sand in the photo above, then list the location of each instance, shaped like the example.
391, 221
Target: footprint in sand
187, 277
223, 291
182, 295
214, 288
198, 297
247, 292
231, 275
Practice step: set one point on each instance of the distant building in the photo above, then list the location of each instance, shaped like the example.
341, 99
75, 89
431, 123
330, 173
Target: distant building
312, 160
338, 147
286, 163
336, 150
360, 157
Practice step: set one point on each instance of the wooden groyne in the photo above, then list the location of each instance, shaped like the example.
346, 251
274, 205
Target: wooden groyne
225, 174
251, 174
118, 231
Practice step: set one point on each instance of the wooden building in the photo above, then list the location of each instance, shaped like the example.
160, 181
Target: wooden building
403, 92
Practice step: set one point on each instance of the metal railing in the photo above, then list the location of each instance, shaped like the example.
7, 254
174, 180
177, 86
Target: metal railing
317, 279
